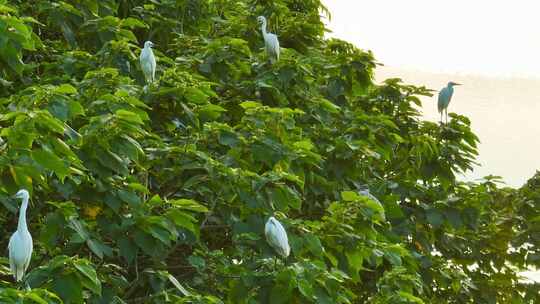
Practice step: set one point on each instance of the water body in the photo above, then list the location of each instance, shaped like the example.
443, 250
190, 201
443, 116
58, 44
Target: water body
504, 114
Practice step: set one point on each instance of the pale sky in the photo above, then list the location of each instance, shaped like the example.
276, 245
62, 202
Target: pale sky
492, 37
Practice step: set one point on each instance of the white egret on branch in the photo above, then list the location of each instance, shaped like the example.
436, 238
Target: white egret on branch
445, 95
271, 41
20, 243
277, 237
148, 62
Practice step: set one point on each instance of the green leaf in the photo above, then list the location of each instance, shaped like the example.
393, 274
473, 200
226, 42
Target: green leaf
250, 105
50, 161
61, 147
377, 208
65, 89
128, 250
68, 287
434, 217
76, 225
393, 257
283, 197
306, 289
197, 262
130, 117
280, 294
98, 248
329, 106
210, 112
161, 234
139, 187
88, 272
355, 258
349, 196
189, 204
195, 96
45, 119
129, 197
314, 244
182, 219
228, 139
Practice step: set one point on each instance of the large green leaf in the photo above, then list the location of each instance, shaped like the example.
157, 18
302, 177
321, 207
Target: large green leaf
52, 162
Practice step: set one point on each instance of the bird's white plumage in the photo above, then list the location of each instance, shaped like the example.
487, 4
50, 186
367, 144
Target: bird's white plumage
20, 244
148, 62
271, 42
276, 236
445, 96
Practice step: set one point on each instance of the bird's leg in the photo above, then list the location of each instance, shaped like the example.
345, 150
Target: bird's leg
446, 111
286, 262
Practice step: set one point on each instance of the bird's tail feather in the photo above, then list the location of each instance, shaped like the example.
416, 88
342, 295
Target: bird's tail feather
19, 274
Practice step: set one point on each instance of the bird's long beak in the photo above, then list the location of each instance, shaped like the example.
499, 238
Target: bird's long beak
457, 83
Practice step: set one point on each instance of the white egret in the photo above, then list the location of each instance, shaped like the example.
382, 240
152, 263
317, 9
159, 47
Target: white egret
277, 237
445, 95
148, 62
271, 41
20, 243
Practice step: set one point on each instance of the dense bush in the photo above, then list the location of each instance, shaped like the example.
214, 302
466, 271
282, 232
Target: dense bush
160, 195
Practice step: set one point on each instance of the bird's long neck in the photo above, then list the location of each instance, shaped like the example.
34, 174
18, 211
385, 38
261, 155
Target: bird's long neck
263, 28
21, 226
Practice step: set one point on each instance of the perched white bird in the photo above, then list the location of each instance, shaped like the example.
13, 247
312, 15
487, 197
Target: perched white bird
20, 243
277, 237
445, 96
148, 62
271, 41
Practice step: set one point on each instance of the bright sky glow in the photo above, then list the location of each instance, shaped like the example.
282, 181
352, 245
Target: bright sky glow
491, 37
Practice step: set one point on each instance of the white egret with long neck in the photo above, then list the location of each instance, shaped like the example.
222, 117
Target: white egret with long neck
20, 244
271, 41
277, 237
148, 62
445, 96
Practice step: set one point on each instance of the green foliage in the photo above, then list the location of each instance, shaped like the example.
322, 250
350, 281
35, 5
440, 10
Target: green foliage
160, 194
17, 36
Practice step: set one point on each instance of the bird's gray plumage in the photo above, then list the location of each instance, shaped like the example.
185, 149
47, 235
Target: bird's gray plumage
148, 62
20, 245
271, 42
277, 237
445, 96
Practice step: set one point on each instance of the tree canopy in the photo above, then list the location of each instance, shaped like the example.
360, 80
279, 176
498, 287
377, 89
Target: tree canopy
160, 194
